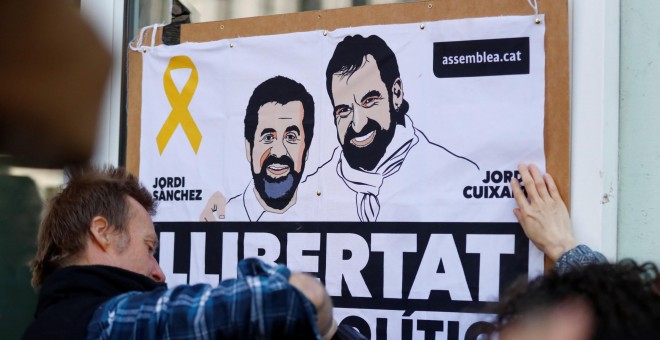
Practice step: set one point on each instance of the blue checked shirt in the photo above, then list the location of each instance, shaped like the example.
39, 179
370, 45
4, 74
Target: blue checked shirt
259, 304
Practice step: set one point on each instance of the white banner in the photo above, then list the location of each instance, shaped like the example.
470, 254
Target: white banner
416, 127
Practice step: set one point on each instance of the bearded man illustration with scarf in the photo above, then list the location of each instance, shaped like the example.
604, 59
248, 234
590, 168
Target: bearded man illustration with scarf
396, 172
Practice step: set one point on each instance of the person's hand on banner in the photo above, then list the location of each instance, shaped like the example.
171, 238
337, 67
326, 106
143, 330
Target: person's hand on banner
214, 209
542, 213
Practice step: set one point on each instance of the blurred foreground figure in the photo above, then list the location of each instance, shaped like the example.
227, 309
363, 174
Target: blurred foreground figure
99, 279
53, 71
598, 301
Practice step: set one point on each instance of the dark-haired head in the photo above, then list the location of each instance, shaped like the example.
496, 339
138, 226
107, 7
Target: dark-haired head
616, 301
280, 90
366, 92
279, 126
349, 56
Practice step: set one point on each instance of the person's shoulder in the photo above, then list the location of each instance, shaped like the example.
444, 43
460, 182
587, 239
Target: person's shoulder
66, 319
234, 210
327, 165
436, 154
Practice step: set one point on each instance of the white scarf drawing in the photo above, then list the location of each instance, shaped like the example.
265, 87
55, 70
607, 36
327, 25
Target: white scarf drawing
366, 184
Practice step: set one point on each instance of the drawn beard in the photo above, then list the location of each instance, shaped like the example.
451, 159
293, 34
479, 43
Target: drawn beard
367, 157
276, 192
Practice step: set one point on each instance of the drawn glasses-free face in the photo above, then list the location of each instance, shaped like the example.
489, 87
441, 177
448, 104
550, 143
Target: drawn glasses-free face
277, 155
365, 125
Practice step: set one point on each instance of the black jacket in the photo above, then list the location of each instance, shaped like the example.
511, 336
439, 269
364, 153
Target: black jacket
69, 297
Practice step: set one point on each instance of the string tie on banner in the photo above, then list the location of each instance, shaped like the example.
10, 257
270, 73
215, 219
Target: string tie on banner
535, 7
180, 115
138, 44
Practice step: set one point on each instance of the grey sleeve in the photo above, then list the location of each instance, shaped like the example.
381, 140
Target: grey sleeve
578, 257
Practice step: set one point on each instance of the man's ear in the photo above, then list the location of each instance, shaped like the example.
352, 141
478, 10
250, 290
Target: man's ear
397, 93
100, 232
248, 154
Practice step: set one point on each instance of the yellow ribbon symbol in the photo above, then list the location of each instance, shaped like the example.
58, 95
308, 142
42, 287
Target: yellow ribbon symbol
179, 102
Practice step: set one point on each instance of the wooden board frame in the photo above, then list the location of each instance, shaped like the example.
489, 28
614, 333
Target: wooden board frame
557, 91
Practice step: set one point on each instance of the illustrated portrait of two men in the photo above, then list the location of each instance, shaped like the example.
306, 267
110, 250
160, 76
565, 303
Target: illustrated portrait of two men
383, 167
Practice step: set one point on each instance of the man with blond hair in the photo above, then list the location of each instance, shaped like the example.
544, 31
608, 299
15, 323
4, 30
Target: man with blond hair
98, 277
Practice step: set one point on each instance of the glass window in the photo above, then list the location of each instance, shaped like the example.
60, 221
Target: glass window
147, 12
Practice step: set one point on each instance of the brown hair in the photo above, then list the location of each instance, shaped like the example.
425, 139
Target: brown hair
90, 192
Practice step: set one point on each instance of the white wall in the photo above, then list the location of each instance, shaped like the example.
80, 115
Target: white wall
639, 141
594, 122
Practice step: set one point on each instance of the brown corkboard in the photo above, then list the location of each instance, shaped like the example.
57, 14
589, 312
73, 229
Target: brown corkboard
557, 104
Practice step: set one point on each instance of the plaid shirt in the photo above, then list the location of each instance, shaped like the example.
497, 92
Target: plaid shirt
259, 304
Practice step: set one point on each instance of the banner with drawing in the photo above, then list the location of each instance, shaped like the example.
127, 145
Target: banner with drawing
377, 158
